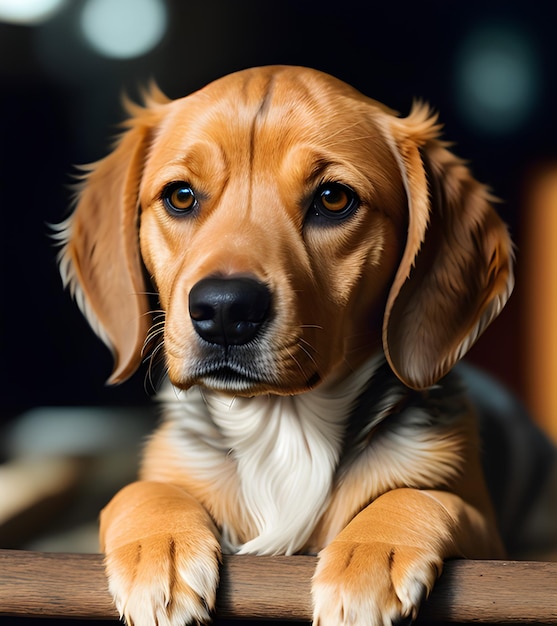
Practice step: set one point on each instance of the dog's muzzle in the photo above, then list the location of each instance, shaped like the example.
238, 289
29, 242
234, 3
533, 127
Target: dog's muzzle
229, 311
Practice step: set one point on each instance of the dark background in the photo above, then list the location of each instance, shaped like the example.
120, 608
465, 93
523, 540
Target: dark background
60, 105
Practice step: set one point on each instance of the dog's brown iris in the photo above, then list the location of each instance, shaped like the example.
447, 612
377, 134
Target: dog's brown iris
182, 198
335, 198
179, 198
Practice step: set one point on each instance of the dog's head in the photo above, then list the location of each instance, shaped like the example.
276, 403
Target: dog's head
291, 227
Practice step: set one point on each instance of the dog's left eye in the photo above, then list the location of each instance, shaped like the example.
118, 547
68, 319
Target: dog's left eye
334, 201
179, 198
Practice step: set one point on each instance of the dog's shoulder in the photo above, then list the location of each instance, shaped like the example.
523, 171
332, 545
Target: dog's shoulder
388, 409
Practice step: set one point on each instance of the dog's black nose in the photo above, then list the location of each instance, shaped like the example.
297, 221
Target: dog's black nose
229, 311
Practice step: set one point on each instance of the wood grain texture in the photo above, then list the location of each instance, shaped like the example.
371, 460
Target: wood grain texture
59, 586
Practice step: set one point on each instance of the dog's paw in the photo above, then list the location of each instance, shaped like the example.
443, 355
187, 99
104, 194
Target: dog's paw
165, 580
371, 584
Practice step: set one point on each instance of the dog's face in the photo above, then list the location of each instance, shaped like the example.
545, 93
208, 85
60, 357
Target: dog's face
256, 191
290, 231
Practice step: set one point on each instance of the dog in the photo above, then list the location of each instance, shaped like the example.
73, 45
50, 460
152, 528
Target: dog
321, 265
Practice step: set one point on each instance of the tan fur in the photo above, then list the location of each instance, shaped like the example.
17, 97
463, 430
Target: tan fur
417, 272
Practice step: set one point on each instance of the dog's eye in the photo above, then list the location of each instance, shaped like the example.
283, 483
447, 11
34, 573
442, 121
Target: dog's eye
179, 198
334, 201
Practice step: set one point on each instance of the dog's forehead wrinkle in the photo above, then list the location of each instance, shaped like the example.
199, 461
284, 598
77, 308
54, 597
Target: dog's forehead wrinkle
266, 98
255, 129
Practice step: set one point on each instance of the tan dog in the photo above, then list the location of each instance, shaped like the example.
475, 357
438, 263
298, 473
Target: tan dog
321, 264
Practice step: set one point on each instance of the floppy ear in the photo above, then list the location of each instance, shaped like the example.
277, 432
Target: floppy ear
456, 271
100, 260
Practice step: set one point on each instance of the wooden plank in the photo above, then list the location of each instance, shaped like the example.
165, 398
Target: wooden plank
490, 592
256, 587
44, 584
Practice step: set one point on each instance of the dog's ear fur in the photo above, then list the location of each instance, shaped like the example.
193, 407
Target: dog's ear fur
100, 259
456, 271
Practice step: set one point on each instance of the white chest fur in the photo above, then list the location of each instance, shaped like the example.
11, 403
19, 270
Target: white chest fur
283, 452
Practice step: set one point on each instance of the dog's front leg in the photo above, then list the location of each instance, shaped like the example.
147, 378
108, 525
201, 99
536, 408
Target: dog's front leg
162, 555
380, 567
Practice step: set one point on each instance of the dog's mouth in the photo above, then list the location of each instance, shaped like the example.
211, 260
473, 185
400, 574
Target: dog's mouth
228, 377
249, 373
231, 372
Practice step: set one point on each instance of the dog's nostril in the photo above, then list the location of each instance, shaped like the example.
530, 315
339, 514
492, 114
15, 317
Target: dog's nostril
200, 311
229, 311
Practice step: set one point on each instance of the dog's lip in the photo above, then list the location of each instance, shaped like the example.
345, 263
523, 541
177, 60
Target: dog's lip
238, 380
240, 371
228, 373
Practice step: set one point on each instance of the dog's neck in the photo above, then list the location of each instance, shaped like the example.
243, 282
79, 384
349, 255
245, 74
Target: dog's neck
328, 405
286, 451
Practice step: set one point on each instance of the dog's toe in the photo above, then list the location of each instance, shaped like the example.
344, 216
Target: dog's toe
360, 584
165, 581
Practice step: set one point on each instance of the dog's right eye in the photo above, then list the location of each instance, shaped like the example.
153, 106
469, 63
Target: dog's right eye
179, 198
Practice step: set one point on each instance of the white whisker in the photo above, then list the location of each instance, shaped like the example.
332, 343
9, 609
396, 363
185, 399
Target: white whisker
153, 347
297, 362
307, 353
154, 360
308, 344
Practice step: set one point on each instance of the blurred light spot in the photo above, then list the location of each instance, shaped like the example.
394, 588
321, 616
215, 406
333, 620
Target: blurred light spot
497, 79
123, 29
29, 12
